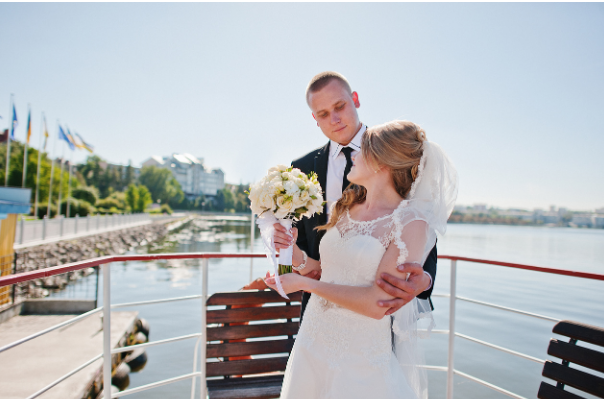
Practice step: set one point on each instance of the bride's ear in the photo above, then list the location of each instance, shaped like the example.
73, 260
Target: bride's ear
355, 99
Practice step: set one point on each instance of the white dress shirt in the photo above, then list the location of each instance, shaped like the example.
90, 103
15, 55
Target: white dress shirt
336, 165
335, 172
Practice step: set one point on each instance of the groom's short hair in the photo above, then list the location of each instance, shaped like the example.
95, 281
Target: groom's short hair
322, 79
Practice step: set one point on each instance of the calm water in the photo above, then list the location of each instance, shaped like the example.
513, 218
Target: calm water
556, 296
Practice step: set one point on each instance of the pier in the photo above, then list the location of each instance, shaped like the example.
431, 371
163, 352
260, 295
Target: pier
52, 355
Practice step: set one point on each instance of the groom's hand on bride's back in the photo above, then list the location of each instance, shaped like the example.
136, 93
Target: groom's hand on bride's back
403, 289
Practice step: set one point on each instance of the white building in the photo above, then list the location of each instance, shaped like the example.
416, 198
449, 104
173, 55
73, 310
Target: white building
194, 178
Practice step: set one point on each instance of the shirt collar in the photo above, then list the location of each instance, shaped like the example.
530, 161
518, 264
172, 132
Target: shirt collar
355, 143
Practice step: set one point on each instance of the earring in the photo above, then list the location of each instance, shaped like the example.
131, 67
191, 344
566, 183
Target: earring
317, 124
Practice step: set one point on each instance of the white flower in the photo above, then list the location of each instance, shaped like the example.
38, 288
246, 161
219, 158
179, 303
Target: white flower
291, 187
299, 182
304, 196
266, 200
285, 207
278, 168
277, 187
298, 201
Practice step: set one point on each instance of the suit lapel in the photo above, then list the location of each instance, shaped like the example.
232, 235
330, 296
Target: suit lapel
320, 168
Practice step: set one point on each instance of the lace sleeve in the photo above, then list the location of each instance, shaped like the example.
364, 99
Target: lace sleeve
411, 234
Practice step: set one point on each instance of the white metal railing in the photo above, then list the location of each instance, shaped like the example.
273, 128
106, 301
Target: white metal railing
47, 229
200, 347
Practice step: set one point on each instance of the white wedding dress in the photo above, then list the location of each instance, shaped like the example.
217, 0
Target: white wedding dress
342, 354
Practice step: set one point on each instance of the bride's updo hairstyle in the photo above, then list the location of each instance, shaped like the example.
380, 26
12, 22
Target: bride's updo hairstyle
396, 145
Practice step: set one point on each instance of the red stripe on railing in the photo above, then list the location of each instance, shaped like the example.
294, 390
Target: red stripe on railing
70, 267
592, 276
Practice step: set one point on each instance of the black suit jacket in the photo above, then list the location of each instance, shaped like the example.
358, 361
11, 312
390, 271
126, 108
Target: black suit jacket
309, 239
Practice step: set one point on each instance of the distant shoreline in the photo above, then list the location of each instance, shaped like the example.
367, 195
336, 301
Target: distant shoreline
514, 222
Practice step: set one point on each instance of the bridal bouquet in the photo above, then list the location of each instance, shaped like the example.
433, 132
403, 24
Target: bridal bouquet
285, 194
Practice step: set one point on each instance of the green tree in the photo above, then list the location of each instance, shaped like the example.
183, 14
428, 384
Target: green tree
132, 197
144, 198
162, 185
16, 173
88, 194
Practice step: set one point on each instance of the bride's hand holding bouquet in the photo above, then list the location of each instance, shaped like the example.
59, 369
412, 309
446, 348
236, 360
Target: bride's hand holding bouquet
283, 196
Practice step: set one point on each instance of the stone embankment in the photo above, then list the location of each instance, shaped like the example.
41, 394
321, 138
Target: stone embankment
62, 252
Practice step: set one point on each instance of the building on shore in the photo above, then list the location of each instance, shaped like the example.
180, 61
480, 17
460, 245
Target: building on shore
195, 179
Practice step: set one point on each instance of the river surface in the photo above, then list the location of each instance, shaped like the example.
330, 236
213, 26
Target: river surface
556, 296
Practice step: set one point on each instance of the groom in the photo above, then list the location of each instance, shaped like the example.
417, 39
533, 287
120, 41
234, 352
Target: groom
334, 106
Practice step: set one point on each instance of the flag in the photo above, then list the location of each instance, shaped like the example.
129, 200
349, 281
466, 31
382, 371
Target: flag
45, 134
84, 144
72, 139
63, 136
14, 124
28, 126
76, 140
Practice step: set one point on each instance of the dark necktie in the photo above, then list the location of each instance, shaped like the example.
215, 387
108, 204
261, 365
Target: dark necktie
347, 151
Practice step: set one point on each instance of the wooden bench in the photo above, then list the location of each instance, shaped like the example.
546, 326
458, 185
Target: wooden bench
570, 352
230, 350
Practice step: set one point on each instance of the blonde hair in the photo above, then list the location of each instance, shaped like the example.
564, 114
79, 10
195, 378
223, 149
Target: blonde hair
396, 145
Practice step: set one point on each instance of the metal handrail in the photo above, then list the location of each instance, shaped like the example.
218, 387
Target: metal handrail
153, 343
64, 377
500, 348
105, 262
522, 312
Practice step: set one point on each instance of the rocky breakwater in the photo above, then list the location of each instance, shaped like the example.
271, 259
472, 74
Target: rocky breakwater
62, 252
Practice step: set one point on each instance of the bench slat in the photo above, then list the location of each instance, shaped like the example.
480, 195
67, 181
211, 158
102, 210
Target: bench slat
575, 378
249, 348
252, 331
252, 297
576, 354
547, 391
581, 332
248, 314
244, 388
268, 392
244, 367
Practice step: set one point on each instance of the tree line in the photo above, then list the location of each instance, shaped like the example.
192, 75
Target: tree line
100, 187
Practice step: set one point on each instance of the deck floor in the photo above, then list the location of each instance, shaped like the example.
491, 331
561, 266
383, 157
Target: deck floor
31, 366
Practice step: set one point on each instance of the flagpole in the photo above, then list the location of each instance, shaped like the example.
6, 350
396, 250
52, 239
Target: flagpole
10, 132
61, 183
38, 169
52, 169
69, 184
26, 145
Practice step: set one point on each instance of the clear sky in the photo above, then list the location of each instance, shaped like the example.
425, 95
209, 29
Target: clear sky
513, 92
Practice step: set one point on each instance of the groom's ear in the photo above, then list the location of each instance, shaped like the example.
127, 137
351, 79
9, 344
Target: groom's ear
355, 99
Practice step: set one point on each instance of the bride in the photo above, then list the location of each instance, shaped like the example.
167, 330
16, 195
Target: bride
403, 193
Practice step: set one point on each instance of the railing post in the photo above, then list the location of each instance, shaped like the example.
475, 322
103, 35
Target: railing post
75, 229
204, 337
253, 232
107, 330
44, 219
61, 225
22, 228
452, 300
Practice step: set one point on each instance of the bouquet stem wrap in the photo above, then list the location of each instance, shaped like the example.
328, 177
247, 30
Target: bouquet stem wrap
286, 254
265, 223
